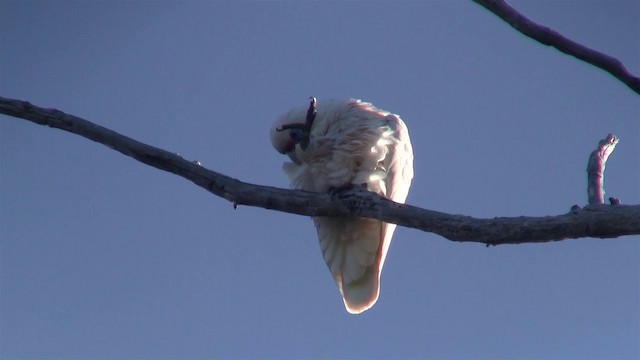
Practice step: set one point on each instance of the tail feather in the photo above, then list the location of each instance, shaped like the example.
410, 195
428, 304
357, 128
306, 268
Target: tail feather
352, 249
361, 294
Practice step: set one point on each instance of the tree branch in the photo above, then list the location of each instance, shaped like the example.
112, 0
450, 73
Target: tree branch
600, 221
595, 169
549, 37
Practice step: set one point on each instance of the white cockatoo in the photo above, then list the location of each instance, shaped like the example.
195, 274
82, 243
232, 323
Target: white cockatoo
338, 144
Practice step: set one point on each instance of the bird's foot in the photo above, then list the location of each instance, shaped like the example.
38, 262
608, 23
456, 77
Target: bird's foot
335, 190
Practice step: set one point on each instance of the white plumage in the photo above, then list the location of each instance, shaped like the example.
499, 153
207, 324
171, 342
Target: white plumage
350, 143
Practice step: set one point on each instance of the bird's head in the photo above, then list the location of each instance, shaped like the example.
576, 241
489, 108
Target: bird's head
292, 129
284, 140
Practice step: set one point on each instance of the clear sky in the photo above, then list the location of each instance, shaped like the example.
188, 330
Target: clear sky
103, 257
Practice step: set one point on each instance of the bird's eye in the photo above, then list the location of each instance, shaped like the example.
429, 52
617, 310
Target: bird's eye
296, 135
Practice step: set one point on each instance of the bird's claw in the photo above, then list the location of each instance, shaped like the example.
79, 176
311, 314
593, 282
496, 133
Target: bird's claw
335, 190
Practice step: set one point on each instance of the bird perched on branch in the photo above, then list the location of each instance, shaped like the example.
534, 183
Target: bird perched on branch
339, 144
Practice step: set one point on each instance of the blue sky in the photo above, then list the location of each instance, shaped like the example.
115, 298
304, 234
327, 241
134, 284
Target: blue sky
103, 257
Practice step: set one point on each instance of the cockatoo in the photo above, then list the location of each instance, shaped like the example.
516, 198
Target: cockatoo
335, 145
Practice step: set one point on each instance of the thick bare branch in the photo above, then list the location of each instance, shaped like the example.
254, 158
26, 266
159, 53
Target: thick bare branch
549, 37
600, 221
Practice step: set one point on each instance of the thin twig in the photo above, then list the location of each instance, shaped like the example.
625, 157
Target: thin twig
549, 37
600, 221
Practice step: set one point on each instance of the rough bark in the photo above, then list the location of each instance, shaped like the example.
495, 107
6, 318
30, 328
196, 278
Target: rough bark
596, 220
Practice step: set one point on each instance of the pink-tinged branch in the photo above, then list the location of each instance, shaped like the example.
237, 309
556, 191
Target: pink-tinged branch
595, 169
597, 221
549, 37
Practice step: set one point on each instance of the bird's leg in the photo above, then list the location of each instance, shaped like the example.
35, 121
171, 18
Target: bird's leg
311, 113
305, 128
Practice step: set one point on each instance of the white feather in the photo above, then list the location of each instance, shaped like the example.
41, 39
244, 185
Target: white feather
351, 142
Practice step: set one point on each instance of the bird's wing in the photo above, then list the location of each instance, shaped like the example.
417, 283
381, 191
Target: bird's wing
399, 175
355, 248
